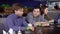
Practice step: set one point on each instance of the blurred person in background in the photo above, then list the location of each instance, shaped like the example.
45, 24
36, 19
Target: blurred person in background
26, 11
44, 13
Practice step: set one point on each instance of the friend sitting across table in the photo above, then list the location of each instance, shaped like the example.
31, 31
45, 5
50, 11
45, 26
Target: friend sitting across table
44, 13
35, 17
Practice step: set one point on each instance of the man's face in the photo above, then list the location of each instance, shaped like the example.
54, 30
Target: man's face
46, 11
36, 12
19, 12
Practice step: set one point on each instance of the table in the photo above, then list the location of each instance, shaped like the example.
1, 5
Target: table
45, 30
48, 30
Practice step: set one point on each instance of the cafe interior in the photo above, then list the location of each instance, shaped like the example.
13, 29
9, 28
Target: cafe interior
53, 11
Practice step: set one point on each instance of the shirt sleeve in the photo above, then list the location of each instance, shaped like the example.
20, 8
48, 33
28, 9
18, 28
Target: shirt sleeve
24, 26
30, 18
42, 19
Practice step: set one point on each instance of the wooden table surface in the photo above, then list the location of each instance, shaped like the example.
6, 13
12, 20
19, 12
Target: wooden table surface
45, 30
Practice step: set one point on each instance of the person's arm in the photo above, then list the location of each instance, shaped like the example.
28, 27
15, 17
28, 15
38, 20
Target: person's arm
24, 25
30, 18
43, 19
51, 21
44, 22
10, 24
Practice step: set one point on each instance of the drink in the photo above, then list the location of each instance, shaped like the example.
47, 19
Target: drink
19, 32
11, 31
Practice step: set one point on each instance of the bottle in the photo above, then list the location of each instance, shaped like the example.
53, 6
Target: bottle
11, 31
4, 32
19, 32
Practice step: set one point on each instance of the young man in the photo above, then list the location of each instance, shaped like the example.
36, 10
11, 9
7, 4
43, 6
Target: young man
16, 21
34, 16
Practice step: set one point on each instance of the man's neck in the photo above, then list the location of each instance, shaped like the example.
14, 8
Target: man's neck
18, 15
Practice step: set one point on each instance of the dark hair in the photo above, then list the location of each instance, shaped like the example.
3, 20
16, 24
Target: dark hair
16, 6
43, 8
36, 7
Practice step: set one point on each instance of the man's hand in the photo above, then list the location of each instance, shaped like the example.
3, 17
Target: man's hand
36, 24
31, 27
45, 23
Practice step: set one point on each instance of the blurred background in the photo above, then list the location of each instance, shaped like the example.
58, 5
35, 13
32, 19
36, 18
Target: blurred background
6, 7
